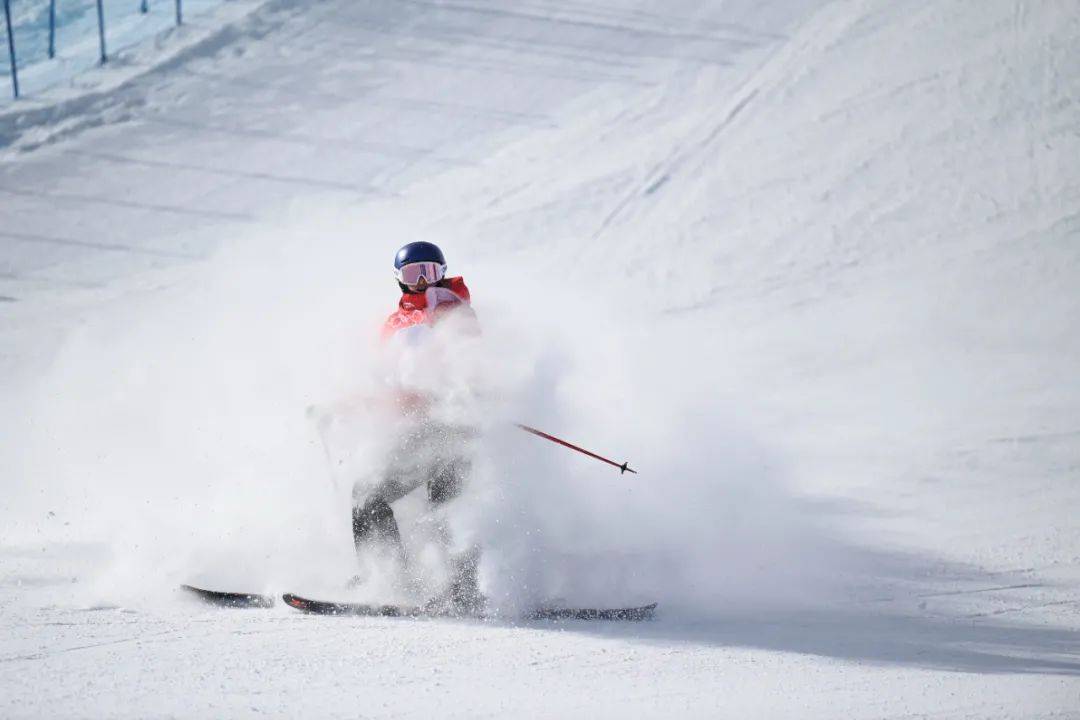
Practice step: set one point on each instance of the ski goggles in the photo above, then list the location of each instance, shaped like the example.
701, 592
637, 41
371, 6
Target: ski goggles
410, 274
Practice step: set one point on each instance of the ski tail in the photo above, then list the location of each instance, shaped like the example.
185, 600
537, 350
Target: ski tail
230, 599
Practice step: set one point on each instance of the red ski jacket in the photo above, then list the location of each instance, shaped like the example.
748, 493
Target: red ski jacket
428, 306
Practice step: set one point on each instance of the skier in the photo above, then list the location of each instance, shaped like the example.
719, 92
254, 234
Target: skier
430, 450
427, 294
434, 316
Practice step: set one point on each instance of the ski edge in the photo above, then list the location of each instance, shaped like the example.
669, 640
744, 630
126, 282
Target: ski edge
321, 607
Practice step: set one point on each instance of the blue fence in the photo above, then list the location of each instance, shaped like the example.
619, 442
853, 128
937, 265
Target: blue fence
41, 50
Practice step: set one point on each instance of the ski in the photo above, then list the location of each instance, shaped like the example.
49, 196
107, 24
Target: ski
230, 599
322, 607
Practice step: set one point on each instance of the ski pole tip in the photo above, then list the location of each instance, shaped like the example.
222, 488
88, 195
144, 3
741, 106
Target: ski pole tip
625, 468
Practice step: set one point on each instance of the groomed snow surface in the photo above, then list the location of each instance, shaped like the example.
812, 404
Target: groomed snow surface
812, 267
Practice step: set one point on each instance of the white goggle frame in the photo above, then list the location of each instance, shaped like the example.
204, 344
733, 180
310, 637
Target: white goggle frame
410, 274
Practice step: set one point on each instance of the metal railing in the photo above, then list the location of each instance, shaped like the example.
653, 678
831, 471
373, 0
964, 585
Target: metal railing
11, 49
144, 7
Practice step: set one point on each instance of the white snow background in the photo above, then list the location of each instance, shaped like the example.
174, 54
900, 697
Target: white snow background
811, 267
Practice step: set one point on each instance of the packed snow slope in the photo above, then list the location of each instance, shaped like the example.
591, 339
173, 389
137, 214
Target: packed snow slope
811, 266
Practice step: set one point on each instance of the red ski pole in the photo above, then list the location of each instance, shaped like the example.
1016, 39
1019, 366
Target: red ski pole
540, 433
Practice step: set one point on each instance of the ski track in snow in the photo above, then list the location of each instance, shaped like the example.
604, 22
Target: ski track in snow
814, 266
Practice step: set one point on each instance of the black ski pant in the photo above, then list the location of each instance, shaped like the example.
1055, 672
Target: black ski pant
430, 454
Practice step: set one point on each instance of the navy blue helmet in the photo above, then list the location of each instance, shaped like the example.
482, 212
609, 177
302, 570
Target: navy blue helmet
419, 251
419, 261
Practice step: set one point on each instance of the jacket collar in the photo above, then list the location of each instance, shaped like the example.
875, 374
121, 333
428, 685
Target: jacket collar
413, 301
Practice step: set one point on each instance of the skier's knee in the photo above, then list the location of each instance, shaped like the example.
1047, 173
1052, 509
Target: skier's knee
373, 520
447, 482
